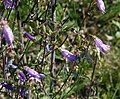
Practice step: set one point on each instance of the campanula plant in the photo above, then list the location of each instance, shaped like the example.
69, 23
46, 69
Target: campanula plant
62, 56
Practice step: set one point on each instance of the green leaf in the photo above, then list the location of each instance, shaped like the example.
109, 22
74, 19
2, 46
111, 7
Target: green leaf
117, 34
116, 23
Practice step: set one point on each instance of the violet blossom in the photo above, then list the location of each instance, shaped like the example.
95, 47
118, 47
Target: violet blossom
7, 86
21, 74
27, 35
7, 32
101, 6
10, 4
34, 74
69, 55
103, 47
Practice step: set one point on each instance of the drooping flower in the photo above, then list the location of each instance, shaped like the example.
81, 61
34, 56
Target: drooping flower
101, 46
34, 74
69, 55
21, 74
47, 47
10, 4
101, 6
27, 35
7, 86
7, 32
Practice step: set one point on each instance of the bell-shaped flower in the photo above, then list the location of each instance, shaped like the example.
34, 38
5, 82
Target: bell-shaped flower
10, 4
69, 55
27, 35
34, 73
103, 47
7, 86
21, 74
101, 6
7, 32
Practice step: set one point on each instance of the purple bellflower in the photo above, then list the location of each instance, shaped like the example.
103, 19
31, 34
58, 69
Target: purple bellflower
101, 6
69, 55
101, 46
27, 35
21, 74
10, 4
7, 86
34, 74
7, 32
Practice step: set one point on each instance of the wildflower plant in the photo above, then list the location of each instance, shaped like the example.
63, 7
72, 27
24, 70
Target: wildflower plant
49, 49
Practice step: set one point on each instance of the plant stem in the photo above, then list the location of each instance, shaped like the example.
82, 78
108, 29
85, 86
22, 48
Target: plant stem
21, 36
92, 76
52, 66
29, 93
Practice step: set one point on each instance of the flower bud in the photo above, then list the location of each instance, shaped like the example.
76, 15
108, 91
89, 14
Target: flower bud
27, 35
101, 6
